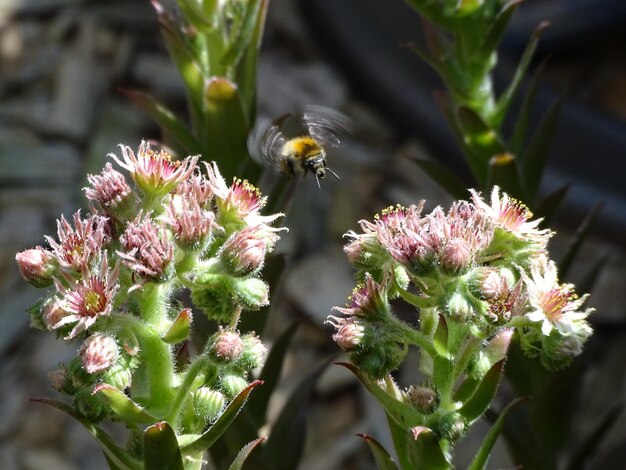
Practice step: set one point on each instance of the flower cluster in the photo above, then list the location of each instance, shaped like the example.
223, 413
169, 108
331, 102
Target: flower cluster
482, 266
477, 274
115, 275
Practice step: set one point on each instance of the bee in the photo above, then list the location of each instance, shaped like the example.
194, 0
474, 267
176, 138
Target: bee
294, 143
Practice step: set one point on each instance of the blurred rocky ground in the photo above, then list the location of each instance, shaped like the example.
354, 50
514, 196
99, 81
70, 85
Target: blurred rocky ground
62, 63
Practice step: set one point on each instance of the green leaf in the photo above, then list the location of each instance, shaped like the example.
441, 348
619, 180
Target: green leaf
382, 457
400, 438
466, 389
481, 140
257, 406
125, 408
402, 413
217, 429
171, 126
533, 161
112, 452
425, 451
290, 426
588, 448
247, 70
503, 172
440, 339
549, 204
179, 329
185, 60
227, 125
577, 241
192, 12
523, 117
482, 457
428, 58
160, 448
444, 178
236, 49
480, 400
554, 408
505, 100
525, 374
244, 453
498, 27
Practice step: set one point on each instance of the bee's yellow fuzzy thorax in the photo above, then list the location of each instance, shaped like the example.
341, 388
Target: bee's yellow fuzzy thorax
302, 147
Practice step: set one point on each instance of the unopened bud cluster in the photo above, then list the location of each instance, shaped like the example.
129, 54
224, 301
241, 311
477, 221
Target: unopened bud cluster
156, 227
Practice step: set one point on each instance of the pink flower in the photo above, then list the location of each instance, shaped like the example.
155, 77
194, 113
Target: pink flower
196, 187
109, 188
79, 245
349, 333
189, 222
155, 172
98, 353
505, 300
36, 266
147, 249
241, 202
368, 301
245, 251
511, 215
88, 299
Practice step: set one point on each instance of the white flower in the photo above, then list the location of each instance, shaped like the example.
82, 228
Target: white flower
554, 305
511, 215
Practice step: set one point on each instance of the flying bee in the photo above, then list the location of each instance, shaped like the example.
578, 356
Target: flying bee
295, 143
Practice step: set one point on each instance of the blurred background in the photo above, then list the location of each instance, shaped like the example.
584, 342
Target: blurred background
62, 63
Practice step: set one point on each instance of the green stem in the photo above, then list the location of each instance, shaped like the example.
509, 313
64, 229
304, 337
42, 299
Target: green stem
154, 353
174, 415
415, 300
415, 337
152, 304
466, 352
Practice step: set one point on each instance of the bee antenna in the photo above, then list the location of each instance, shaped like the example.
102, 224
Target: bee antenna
318, 183
333, 173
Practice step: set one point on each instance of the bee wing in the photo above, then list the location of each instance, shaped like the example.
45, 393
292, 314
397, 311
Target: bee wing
325, 125
265, 143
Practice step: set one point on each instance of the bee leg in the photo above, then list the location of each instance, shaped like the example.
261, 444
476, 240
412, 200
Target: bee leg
318, 182
333, 173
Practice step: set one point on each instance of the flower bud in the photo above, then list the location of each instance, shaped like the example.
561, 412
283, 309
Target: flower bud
349, 334
379, 353
59, 382
228, 346
119, 375
93, 407
456, 256
37, 266
216, 302
424, 399
110, 190
459, 307
244, 252
451, 426
252, 293
254, 352
232, 384
77, 377
208, 403
98, 353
